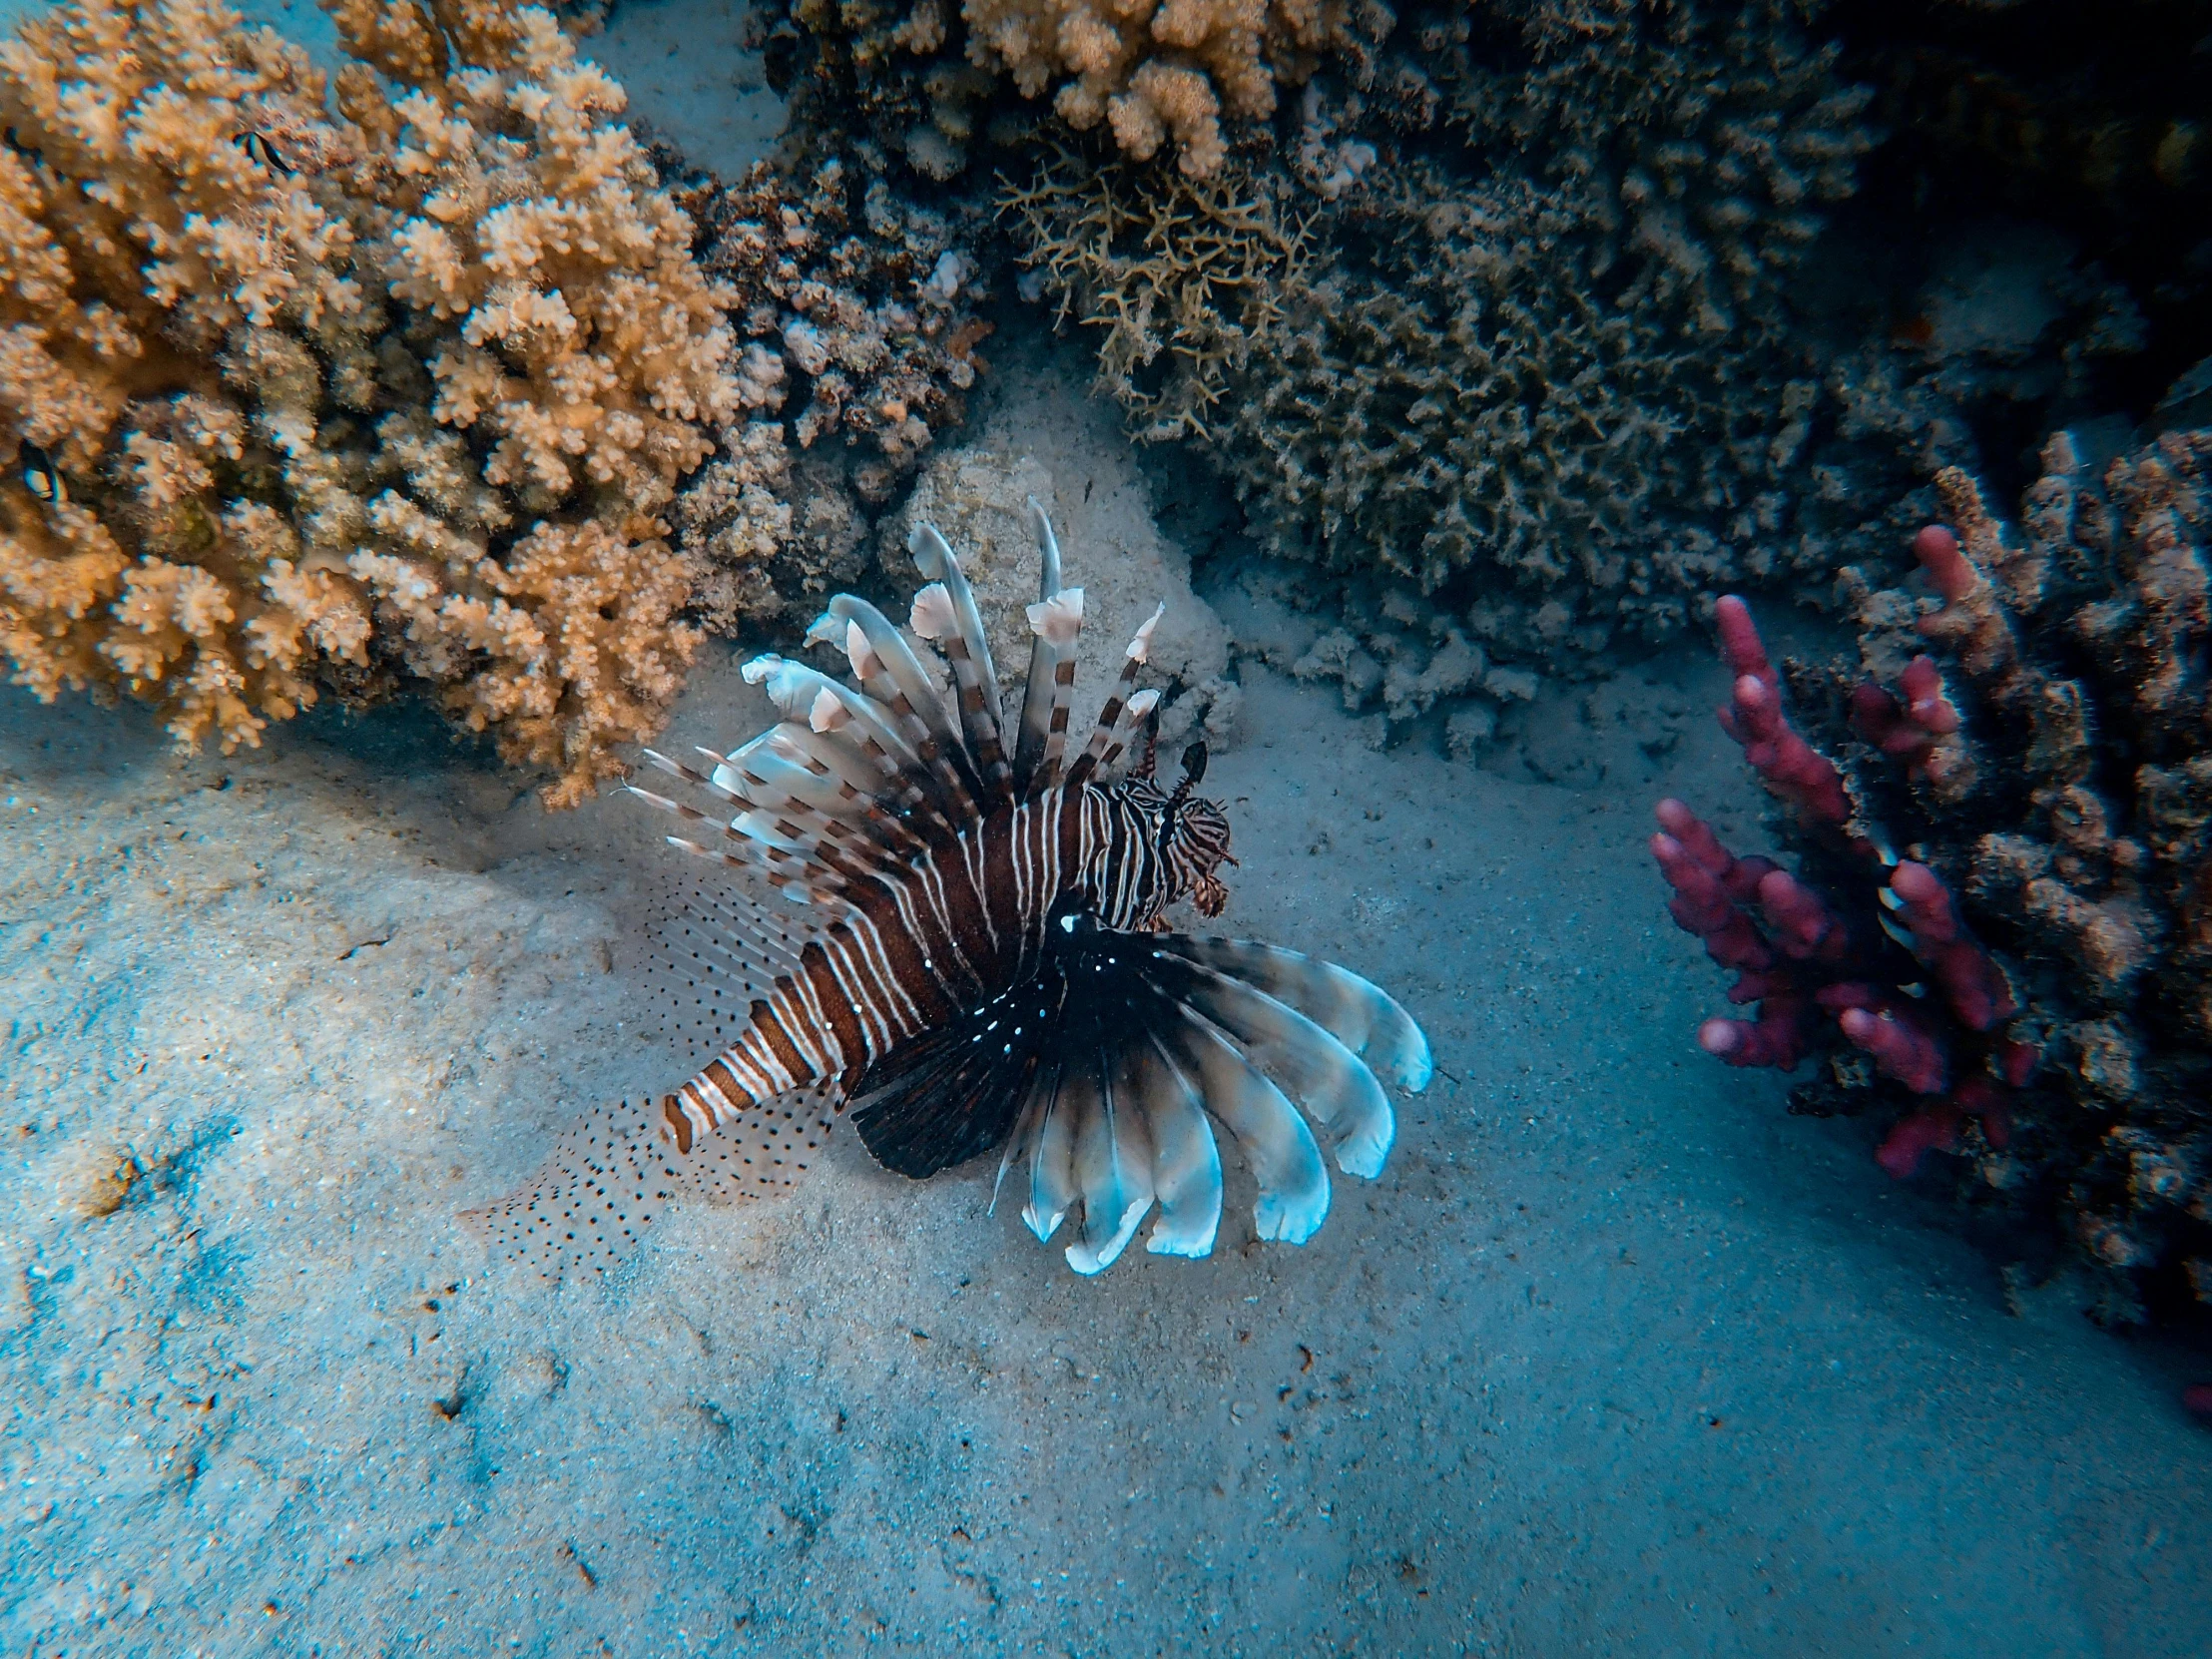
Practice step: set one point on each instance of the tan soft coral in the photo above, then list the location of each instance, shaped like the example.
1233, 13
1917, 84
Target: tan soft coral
406, 385
1163, 71
1156, 71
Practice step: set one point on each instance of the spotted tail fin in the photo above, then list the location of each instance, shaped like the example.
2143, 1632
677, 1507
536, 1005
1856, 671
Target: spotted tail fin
614, 1175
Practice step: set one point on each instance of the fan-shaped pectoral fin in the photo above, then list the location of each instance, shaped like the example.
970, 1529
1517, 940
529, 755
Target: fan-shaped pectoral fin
1361, 1015
1113, 1168
1293, 1183
1333, 1085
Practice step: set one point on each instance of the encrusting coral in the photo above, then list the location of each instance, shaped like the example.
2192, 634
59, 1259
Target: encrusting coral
339, 381
1999, 930
858, 347
1160, 75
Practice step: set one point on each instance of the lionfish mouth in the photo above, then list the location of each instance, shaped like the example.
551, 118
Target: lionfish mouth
978, 960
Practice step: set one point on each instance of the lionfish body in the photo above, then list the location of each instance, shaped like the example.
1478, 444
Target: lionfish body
976, 956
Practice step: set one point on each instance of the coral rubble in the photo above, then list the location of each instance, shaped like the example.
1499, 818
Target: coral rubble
1999, 930
341, 381
858, 347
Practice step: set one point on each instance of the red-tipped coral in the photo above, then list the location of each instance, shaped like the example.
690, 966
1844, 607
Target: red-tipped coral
1997, 931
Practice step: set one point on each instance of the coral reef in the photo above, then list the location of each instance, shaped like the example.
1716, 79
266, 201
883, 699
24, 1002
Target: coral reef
1541, 366
1160, 78
1999, 930
315, 386
855, 310
1183, 277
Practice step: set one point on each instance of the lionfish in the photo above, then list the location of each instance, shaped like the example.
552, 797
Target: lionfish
971, 953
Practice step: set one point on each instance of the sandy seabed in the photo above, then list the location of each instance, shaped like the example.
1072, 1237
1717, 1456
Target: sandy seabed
1615, 1357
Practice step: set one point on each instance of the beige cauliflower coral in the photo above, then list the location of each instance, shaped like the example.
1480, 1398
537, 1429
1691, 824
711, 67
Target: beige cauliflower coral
399, 379
1156, 72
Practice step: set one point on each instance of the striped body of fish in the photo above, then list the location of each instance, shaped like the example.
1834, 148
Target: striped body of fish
965, 950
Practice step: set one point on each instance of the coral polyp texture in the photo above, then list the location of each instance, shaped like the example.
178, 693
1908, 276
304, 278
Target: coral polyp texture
1162, 76
858, 347
1998, 931
1539, 364
1182, 279
315, 384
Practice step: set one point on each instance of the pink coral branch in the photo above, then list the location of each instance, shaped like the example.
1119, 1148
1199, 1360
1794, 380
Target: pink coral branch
1789, 766
1931, 1129
1937, 1126
1948, 568
1708, 880
1925, 705
1803, 924
1984, 1098
1741, 647
1922, 729
1915, 725
1898, 1046
1972, 980
1777, 1038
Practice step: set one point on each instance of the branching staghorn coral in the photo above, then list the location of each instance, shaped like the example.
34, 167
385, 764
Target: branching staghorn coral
335, 381
1185, 278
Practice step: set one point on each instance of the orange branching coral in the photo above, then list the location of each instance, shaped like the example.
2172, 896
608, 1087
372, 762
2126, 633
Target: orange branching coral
305, 397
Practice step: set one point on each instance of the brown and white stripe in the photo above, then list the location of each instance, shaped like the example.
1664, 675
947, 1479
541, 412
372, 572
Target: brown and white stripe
948, 929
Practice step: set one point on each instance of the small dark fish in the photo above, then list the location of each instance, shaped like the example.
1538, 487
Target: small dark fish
260, 151
40, 476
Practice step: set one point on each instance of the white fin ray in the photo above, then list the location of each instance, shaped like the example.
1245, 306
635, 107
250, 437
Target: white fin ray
896, 668
1117, 702
890, 671
1052, 1188
797, 690
1186, 1162
1361, 1015
1303, 1059
1056, 621
959, 626
1132, 720
1045, 654
1293, 1183
1113, 1171
763, 773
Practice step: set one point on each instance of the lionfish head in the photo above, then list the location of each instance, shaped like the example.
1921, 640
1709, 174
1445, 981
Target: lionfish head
1194, 841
